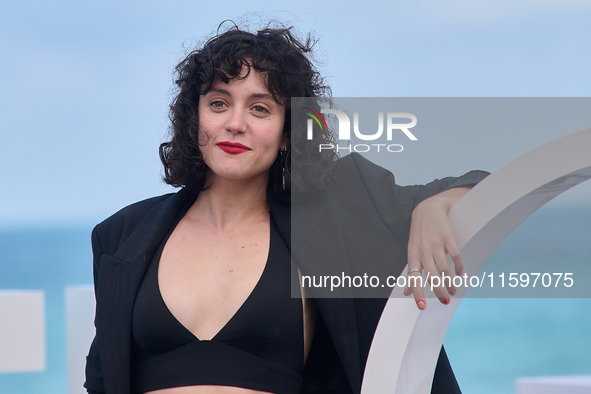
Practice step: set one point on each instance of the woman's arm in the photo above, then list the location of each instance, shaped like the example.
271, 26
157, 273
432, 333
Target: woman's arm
431, 238
94, 376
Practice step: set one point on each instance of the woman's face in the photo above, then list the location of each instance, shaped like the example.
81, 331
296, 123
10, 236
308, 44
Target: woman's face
240, 128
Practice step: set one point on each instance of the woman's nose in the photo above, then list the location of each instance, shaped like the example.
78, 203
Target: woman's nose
237, 123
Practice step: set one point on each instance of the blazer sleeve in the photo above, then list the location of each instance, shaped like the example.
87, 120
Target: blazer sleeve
395, 203
107, 238
94, 377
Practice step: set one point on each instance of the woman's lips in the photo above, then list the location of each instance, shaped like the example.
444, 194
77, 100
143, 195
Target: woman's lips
232, 148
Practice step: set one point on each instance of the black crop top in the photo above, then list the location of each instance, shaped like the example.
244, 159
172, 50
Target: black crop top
260, 348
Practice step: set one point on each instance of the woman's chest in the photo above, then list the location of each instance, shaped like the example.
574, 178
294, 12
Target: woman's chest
204, 278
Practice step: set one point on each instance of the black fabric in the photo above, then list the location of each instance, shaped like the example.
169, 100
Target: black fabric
124, 243
215, 363
444, 380
261, 347
324, 373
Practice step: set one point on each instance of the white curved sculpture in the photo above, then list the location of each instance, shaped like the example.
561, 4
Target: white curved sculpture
404, 351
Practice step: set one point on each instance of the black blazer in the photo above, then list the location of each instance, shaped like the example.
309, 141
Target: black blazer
124, 243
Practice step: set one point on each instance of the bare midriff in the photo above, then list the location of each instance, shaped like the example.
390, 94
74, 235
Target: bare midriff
207, 389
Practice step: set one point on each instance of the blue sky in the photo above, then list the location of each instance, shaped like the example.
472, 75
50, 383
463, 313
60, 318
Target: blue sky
84, 86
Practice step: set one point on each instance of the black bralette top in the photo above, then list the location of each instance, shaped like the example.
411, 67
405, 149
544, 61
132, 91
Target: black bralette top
260, 348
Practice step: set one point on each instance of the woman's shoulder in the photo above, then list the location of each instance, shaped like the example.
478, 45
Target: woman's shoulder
136, 210
119, 225
354, 171
357, 163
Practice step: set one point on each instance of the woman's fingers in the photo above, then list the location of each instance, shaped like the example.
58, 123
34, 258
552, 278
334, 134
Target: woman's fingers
430, 239
446, 275
435, 275
430, 271
414, 282
454, 253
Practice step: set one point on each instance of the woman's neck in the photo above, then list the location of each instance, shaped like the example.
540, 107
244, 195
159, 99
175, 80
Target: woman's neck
227, 203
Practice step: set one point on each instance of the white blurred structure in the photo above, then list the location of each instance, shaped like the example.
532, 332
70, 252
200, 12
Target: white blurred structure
407, 342
22, 331
79, 333
580, 384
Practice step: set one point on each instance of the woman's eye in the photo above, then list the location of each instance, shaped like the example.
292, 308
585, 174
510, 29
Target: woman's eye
217, 104
260, 109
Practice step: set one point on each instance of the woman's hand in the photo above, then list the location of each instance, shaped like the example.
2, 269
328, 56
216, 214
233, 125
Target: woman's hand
431, 238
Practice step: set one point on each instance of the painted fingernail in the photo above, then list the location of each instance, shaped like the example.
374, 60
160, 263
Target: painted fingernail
445, 301
422, 304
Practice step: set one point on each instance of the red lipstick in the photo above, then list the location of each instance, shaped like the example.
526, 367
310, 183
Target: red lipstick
232, 148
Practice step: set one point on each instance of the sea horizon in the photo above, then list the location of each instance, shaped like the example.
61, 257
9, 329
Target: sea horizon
490, 342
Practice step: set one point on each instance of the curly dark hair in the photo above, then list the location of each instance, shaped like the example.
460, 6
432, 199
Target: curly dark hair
284, 61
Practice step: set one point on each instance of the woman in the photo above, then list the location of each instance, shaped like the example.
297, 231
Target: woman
193, 288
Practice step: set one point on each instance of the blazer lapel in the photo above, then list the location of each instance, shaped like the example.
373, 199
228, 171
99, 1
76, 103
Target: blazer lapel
281, 212
119, 278
338, 313
117, 285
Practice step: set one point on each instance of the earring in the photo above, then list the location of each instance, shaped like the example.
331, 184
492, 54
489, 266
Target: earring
282, 167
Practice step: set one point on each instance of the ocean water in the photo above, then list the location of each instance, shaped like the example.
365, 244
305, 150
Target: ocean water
490, 342
493, 341
48, 258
